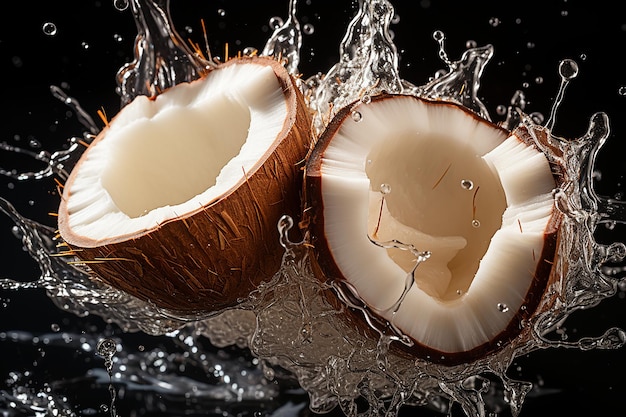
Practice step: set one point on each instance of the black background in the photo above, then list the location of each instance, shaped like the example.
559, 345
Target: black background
530, 40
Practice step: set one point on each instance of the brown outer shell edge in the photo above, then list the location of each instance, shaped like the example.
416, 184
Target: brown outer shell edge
325, 268
208, 259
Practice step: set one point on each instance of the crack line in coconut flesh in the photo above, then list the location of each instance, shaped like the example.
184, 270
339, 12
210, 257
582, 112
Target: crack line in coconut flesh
71, 287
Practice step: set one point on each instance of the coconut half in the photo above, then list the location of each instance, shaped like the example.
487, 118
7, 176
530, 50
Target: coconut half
403, 184
177, 200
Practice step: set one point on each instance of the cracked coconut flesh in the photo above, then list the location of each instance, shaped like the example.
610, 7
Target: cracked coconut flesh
447, 182
170, 155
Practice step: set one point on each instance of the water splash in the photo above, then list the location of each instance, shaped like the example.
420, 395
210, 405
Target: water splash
83, 117
162, 59
107, 348
286, 41
72, 287
368, 64
461, 82
59, 162
579, 281
181, 376
568, 70
289, 323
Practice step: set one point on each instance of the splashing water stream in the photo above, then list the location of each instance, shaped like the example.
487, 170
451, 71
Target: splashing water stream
287, 323
107, 348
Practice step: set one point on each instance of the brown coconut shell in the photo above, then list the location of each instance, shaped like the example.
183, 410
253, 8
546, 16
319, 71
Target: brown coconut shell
209, 259
325, 268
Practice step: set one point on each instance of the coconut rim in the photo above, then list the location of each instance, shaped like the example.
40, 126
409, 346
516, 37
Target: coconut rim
326, 268
287, 86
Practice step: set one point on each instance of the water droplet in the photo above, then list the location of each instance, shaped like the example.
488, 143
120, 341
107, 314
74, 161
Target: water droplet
269, 373
467, 184
539, 80
494, 21
503, 307
221, 12
616, 251
440, 73
530, 45
308, 29
106, 348
276, 22
459, 292
470, 44
610, 225
537, 117
568, 69
118, 38
250, 51
519, 99
564, 13
120, 5
622, 91
596, 175
366, 99
475, 223
356, 116
438, 35
84, 45
49, 29
55, 327
501, 110
385, 188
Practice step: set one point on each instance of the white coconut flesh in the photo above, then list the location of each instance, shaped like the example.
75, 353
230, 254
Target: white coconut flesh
164, 157
453, 185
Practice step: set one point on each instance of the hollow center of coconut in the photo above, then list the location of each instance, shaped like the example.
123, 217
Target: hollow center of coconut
399, 178
435, 193
175, 155
405, 176
165, 157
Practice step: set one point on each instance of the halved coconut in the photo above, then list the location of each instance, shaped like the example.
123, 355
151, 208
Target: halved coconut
177, 200
403, 179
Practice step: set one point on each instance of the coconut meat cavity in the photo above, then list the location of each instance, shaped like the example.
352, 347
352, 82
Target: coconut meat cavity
446, 182
177, 152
